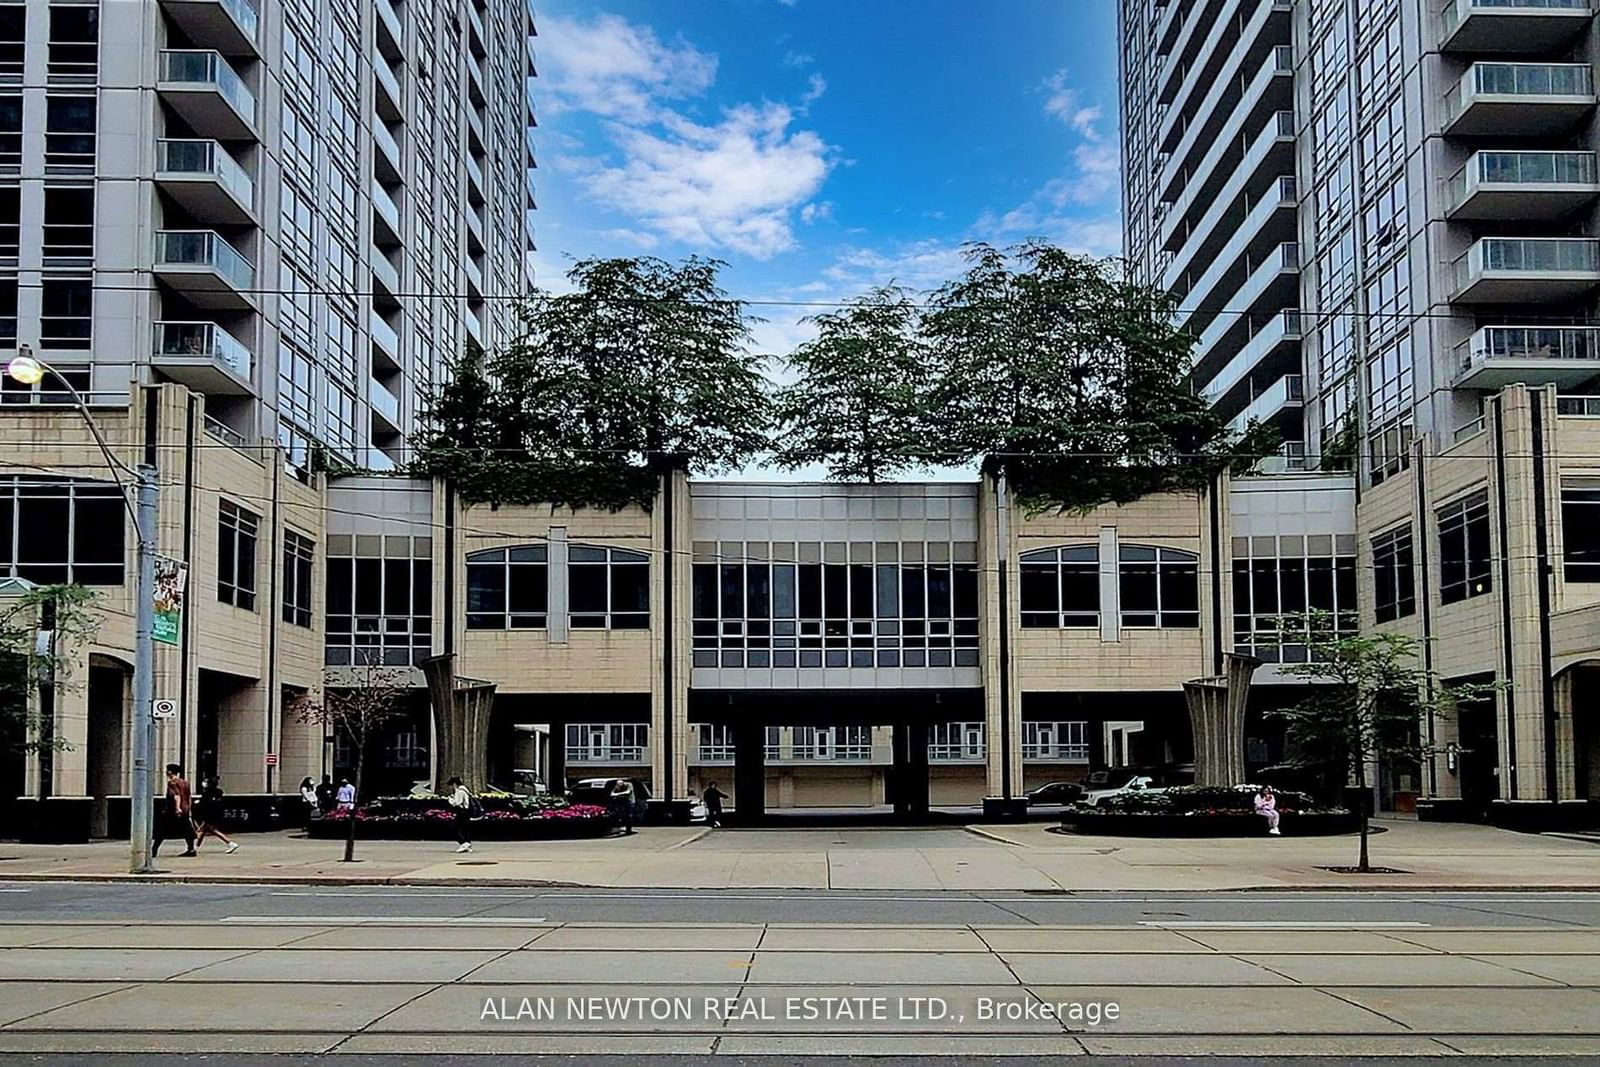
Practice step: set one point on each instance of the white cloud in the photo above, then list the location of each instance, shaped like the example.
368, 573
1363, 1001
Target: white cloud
623, 235
798, 59
612, 67
729, 185
817, 86
816, 212
1065, 102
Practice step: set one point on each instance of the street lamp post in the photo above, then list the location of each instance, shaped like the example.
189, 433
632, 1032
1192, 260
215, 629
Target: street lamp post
28, 370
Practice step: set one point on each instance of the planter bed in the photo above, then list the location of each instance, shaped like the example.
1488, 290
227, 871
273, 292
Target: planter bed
1156, 824
431, 819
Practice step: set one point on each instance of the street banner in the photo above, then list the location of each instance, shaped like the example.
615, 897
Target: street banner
171, 576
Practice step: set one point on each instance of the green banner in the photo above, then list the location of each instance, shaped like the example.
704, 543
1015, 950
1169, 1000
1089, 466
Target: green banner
171, 576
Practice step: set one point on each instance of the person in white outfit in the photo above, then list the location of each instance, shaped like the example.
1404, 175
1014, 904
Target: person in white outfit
1267, 807
461, 801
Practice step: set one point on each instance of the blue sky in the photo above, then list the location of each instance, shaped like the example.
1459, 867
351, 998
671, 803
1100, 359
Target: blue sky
821, 146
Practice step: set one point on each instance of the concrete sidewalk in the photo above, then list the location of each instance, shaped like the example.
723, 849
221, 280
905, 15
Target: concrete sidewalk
1008, 857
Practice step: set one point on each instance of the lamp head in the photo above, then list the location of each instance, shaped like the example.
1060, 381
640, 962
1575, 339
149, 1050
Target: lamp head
24, 368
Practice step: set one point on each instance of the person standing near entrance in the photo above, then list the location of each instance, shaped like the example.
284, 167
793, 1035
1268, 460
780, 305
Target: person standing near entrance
713, 798
208, 816
346, 797
177, 812
466, 806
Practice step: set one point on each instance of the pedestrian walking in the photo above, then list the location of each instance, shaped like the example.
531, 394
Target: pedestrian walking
467, 808
177, 812
1267, 807
208, 816
346, 797
308, 795
713, 798
326, 795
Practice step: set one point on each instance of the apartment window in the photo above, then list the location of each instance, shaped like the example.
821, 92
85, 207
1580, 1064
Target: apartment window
1464, 548
55, 388
835, 604
713, 742
607, 742
379, 600
1278, 581
1061, 741
236, 555
13, 40
10, 130
69, 131
953, 742
10, 221
1580, 531
66, 313
74, 41
54, 531
1389, 449
1160, 587
508, 589
8, 314
69, 222
847, 744
298, 552
609, 588
1394, 575
1060, 587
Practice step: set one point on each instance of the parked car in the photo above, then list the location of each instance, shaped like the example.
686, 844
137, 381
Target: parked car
1056, 793
697, 809
528, 783
1131, 783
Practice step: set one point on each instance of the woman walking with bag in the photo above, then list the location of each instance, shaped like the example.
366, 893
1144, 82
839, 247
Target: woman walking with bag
467, 808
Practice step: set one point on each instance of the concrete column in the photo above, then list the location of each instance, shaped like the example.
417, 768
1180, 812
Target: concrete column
557, 589
1564, 692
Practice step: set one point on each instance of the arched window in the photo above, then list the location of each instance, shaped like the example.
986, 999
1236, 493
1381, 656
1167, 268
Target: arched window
508, 589
1160, 587
1061, 587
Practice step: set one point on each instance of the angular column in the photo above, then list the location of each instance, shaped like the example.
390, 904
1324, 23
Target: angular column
1216, 718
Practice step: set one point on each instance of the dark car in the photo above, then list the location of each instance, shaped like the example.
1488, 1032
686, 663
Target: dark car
1055, 793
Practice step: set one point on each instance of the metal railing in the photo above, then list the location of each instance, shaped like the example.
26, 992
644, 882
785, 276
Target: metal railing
198, 67
175, 156
1570, 255
204, 248
714, 754
1530, 342
225, 433
606, 754
956, 753
203, 339
1052, 751
1521, 168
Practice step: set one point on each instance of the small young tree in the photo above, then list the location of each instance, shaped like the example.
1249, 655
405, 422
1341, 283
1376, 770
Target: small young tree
357, 705
860, 403
65, 615
1368, 697
641, 370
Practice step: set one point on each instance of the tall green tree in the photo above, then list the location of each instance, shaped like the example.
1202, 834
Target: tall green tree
1366, 706
643, 368
26, 662
1060, 372
859, 404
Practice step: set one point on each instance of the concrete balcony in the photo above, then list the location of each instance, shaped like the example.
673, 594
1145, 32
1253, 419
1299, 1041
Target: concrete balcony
1196, 37
475, 182
1283, 396
1247, 220
203, 356
1497, 356
206, 269
384, 338
386, 90
474, 326
1515, 270
1538, 27
1273, 284
475, 244
1258, 236
229, 26
1211, 81
386, 159
388, 31
385, 406
1522, 185
1241, 100
1518, 99
1231, 166
474, 276
477, 141
384, 273
1279, 334
385, 218
206, 180
208, 93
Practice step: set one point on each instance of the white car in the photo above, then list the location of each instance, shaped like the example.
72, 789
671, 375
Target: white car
1134, 783
697, 810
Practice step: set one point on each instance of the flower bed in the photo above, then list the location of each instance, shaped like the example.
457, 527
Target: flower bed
505, 818
1205, 811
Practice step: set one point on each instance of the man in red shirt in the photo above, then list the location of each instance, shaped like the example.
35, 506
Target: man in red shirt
177, 812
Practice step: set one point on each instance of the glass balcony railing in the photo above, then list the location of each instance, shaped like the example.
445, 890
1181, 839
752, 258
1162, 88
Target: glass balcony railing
1530, 342
208, 68
204, 248
1522, 168
1456, 11
1556, 255
205, 158
1518, 79
197, 340
244, 13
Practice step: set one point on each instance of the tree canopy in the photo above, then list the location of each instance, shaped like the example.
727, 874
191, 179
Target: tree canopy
643, 368
859, 404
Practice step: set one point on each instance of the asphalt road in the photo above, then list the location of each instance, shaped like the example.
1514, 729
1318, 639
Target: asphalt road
113, 901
